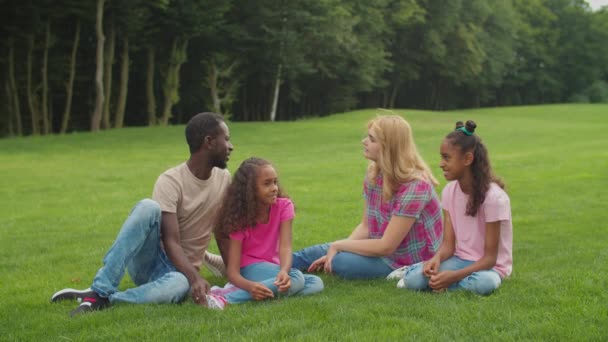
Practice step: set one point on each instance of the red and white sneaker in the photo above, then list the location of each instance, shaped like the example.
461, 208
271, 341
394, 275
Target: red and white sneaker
216, 302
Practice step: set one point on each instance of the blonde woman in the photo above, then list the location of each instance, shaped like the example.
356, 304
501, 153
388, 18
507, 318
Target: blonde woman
401, 222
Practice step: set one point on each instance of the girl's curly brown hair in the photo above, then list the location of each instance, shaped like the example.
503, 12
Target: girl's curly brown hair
239, 207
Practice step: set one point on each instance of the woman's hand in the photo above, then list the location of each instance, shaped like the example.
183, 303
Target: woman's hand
331, 253
283, 282
442, 280
260, 292
431, 267
318, 264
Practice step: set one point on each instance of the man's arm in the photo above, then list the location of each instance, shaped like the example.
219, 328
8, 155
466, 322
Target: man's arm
223, 243
171, 241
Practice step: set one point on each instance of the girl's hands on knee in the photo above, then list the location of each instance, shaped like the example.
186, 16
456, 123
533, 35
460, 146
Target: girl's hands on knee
442, 280
431, 267
260, 292
283, 282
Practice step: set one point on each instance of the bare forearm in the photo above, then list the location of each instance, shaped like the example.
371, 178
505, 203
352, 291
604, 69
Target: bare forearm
367, 247
285, 257
446, 250
483, 264
223, 243
181, 262
359, 233
239, 281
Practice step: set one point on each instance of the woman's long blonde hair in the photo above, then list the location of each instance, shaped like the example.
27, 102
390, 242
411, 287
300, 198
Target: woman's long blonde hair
399, 161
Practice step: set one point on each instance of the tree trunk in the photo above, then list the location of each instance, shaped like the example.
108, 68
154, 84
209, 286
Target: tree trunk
107, 76
51, 113
12, 87
69, 87
171, 85
99, 98
275, 98
151, 99
124, 85
395, 90
222, 83
44, 108
9, 109
244, 107
212, 84
31, 102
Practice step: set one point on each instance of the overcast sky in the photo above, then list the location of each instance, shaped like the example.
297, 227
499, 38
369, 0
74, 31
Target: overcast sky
596, 4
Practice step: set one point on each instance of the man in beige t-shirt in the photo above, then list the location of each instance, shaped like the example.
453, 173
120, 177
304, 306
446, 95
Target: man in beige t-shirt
162, 242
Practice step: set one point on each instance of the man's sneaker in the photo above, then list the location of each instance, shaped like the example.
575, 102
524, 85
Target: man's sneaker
216, 302
401, 283
215, 264
91, 303
70, 294
397, 274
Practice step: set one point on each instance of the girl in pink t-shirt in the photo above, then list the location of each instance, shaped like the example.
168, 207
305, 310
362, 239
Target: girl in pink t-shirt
257, 216
476, 252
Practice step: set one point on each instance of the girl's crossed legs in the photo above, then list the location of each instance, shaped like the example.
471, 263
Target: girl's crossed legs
266, 273
480, 282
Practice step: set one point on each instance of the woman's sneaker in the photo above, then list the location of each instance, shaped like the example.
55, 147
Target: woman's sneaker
216, 302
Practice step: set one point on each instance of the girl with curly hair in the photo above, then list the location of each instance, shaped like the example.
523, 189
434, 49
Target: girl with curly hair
475, 254
257, 216
401, 221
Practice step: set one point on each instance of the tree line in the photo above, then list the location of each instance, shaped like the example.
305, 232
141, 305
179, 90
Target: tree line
70, 65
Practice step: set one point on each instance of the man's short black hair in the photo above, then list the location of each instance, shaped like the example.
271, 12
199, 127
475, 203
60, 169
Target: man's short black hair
200, 126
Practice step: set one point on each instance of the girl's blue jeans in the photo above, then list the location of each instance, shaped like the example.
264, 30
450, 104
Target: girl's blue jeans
480, 282
138, 250
345, 264
266, 273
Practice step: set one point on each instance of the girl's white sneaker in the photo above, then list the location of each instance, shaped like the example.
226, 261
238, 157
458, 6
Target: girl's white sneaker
397, 274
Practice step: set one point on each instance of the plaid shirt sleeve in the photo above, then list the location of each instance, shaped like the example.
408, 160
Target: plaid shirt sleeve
411, 199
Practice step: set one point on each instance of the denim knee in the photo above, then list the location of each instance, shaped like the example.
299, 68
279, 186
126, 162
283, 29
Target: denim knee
146, 208
415, 279
340, 267
312, 285
172, 287
297, 281
482, 283
177, 287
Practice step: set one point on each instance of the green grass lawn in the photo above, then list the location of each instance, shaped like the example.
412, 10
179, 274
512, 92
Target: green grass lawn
63, 199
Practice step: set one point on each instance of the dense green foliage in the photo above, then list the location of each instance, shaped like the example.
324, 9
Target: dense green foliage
165, 60
65, 197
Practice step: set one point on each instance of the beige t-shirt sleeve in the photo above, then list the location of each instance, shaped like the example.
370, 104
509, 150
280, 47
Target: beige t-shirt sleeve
167, 193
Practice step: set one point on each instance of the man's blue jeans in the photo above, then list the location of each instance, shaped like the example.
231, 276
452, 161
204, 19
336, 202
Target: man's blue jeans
138, 250
480, 282
266, 273
345, 264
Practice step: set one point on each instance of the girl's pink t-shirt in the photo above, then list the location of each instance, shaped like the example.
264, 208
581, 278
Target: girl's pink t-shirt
260, 243
471, 231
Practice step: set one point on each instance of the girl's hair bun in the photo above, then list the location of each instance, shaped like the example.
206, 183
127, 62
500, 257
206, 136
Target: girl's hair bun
470, 126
